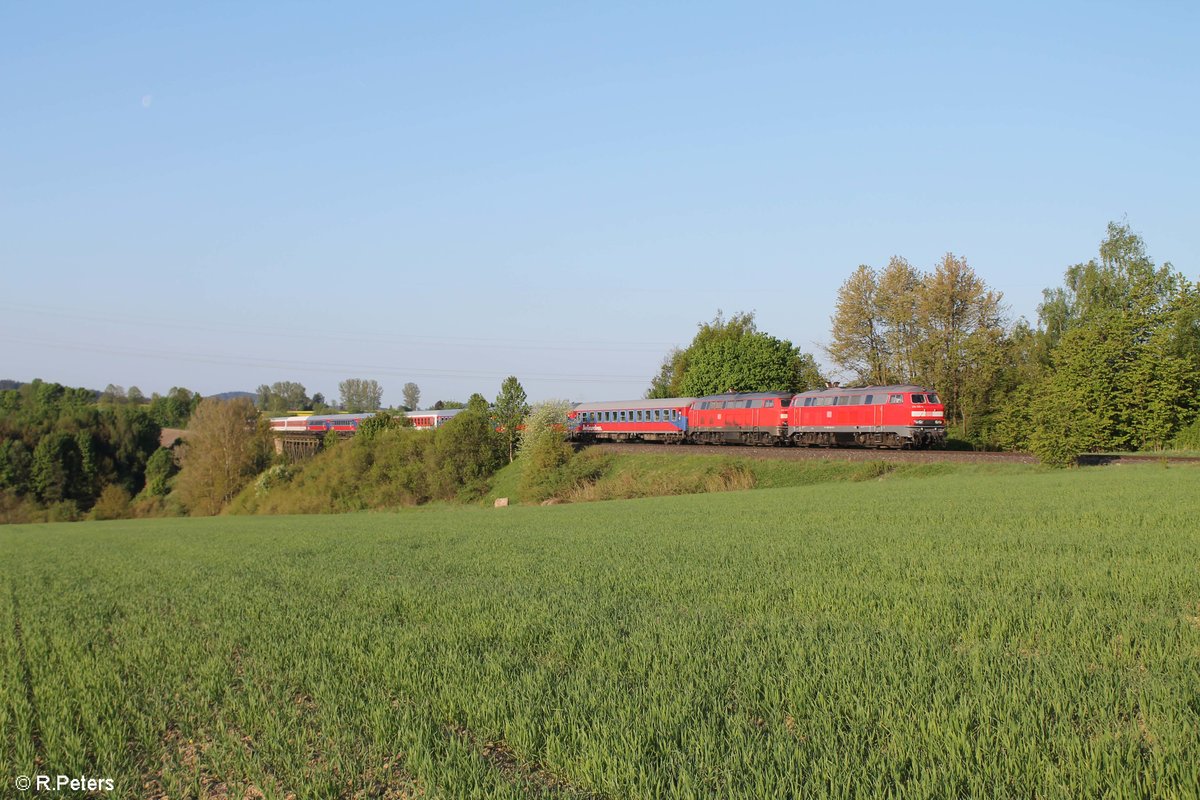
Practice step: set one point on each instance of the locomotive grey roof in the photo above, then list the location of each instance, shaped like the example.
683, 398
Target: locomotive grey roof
744, 395
839, 390
620, 405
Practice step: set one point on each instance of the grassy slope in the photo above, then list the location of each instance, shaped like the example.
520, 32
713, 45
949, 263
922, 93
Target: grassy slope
654, 475
966, 635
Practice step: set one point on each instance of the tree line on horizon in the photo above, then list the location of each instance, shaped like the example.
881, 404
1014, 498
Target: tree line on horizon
1112, 363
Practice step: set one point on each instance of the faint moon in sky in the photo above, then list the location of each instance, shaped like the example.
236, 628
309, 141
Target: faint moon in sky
147, 99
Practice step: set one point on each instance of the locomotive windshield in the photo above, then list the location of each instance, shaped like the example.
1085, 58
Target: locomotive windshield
933, 398
918, 398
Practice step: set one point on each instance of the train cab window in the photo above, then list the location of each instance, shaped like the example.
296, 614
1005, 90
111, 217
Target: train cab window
896, 398
933, 398
918, 399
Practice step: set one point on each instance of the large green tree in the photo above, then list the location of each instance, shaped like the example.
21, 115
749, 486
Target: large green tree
509, 410
733, 355
283, 396
412, 396
1122, 364
227, 445
175, 408
361, 394
467, 450
944, 329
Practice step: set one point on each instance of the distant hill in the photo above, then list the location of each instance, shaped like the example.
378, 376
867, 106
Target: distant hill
10, 384
234, 395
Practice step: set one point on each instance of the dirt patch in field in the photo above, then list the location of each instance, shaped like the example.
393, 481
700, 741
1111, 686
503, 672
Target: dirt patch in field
535, 780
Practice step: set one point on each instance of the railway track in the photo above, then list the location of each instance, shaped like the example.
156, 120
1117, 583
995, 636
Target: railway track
855, 454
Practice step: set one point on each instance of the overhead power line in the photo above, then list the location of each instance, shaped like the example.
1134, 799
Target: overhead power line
309, 366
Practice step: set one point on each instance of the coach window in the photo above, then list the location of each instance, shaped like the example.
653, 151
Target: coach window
896, 398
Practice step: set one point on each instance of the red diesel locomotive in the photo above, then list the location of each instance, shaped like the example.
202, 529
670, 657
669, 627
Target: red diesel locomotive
871, 416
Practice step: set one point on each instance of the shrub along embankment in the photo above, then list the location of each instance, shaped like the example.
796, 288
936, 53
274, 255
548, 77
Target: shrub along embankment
389, 467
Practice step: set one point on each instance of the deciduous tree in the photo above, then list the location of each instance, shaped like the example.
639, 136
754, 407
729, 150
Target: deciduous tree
360, 394
509, 411
1124, 355
734, 355
944, 329
544, 449
227, 445
857, 341
412, 396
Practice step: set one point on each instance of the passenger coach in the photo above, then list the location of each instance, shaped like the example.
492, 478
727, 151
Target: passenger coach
664, 420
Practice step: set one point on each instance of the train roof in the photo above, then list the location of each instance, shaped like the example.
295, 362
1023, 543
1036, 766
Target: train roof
618, 405
840, 390
435, 412
744, 395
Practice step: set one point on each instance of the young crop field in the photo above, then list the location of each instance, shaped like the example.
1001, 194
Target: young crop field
1018, 634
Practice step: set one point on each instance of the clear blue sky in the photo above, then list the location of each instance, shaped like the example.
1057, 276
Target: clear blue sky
223, 195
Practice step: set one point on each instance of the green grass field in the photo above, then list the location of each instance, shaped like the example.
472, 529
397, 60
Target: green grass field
1019, 634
